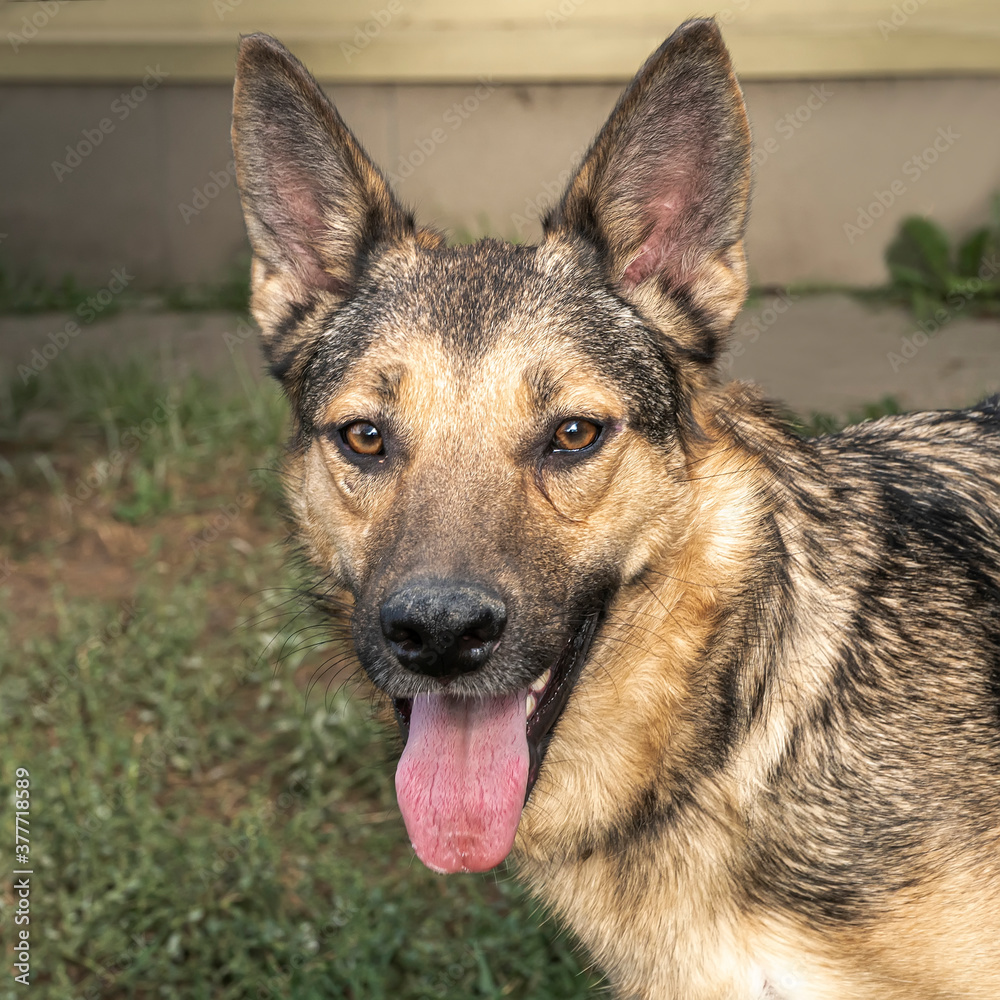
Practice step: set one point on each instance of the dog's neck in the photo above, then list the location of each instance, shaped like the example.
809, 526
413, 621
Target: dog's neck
678, 692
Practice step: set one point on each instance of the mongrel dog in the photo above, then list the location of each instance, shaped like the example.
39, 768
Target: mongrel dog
729, 696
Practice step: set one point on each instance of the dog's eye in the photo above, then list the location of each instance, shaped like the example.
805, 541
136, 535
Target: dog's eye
362, 437
575, 434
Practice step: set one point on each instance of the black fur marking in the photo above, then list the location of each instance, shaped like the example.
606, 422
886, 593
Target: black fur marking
281, 363
921, 541
501, 288
643, 821
347, 335
706, 346
542, 387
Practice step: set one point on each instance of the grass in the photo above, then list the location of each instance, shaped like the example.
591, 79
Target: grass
23, 292
202, 824
927, 274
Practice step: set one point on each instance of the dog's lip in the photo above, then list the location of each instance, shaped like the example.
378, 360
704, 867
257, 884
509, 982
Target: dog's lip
551, 699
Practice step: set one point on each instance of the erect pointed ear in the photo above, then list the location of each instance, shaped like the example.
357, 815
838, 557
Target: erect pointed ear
315, 205
663, 191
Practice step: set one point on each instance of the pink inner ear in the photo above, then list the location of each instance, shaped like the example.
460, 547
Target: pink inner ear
673, 216
657, 249
299, 223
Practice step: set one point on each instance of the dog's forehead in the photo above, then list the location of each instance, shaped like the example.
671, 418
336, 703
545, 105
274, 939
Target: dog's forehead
478, 297
493, 319
465, 305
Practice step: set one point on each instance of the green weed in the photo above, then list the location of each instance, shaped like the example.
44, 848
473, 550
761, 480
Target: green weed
929, 275
25, 292
231, 294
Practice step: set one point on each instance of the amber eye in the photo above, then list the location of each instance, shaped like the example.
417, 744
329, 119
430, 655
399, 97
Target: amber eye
572, 435
363, 438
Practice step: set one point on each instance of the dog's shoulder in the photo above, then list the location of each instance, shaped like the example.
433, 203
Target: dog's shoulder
918, 496
981, 421
955, 448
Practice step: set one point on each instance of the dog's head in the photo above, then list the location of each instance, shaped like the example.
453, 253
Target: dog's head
489, 441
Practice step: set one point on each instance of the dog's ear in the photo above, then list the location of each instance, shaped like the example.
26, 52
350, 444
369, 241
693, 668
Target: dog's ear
316, 207
663, 191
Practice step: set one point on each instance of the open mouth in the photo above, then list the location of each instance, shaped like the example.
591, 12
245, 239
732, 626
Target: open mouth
549, 693
469, 765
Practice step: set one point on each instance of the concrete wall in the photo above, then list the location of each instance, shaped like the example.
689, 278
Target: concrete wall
148, 197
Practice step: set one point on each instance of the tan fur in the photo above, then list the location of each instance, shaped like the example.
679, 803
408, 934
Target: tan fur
648, 702
776, 774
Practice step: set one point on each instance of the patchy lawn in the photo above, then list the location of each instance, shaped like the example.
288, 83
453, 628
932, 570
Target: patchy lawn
211, 804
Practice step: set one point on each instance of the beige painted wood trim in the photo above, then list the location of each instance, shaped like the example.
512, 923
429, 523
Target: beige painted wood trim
370, 41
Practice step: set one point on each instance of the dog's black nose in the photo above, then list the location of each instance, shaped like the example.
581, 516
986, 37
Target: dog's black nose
443, 629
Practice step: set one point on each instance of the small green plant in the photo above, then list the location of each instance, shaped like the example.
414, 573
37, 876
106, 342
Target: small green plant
929, 276
150, 494
231, 294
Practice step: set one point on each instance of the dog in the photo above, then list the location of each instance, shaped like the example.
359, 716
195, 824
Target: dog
729, 697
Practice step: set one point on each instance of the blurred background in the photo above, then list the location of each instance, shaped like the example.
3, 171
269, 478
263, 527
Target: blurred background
212, 812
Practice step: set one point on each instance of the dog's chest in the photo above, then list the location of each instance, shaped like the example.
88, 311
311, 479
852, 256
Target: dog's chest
663, 939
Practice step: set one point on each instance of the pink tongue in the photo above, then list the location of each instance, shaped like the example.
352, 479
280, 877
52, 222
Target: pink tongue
462, 778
